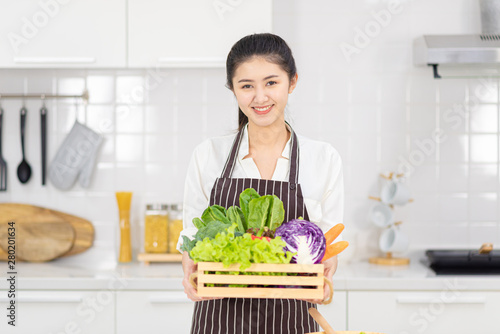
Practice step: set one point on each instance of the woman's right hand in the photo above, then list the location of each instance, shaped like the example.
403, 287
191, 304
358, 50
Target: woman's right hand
189, 267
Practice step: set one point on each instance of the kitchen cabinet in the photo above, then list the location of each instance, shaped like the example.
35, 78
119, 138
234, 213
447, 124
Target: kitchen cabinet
191, 33
57, 33
448, 311
336, 312
153, 312
57, 312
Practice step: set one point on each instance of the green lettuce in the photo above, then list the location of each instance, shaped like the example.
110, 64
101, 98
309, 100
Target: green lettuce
229, 248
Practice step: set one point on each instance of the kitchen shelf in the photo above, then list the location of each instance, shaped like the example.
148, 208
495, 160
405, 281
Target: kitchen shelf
147, 258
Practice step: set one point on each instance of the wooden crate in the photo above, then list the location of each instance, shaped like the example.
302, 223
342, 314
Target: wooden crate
304, 287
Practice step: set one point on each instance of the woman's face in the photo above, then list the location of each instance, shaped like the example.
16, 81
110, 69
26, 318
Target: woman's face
261, 89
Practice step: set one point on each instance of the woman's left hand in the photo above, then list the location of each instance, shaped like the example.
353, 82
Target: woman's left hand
330, 269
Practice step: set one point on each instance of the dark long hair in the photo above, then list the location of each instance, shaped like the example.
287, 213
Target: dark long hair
269, 46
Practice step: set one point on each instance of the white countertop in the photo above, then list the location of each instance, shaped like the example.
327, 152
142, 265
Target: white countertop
354, 276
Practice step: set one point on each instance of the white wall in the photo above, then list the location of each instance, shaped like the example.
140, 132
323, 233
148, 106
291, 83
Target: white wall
374, 108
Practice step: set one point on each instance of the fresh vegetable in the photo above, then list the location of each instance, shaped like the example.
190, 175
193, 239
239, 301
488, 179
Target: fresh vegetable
265, 232
214, 213
209, 231
245, 197
333, 233
262, 238
198, 223
213, 220
229, 248
266, 211
235, 215
304, 238
334, 249
258, 215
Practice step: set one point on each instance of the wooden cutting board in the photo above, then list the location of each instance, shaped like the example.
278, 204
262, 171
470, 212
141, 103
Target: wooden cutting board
84, 230
39, 241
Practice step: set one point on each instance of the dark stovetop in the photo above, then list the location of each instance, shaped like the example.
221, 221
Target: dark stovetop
463, 262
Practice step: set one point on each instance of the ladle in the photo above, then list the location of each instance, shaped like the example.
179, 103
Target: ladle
24, 169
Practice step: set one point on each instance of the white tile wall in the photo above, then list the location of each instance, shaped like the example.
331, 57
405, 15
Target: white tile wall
374, 106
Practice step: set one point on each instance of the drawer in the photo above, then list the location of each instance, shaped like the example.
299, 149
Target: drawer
60, 312
153, 312
447, 311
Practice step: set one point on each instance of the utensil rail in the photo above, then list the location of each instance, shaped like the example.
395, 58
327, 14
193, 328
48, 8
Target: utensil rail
84, 96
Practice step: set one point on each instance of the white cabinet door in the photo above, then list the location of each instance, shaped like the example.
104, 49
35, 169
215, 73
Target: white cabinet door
62, 33
153, 312
55, 312
336, 312
191, 33
444, 312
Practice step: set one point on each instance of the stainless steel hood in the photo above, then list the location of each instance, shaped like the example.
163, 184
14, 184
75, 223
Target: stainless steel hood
456, 49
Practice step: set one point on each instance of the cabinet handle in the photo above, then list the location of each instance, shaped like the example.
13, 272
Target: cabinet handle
169, 298
44, 299
54, 60
193, 62
432, 299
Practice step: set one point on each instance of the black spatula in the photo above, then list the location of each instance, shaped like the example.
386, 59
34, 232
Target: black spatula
3, 164
43, 122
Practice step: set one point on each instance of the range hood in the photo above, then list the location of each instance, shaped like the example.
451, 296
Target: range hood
434, 50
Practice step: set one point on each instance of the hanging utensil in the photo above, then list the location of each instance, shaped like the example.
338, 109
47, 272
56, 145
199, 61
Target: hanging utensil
43, 122
24, 169
3, 164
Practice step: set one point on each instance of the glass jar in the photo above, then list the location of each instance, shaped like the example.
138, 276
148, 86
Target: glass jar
175, 227
156, 228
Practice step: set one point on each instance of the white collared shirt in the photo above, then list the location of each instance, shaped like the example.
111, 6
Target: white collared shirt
320, 176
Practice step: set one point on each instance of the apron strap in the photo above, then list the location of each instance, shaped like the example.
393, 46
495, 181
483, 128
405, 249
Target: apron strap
294, 161
294, 158
231, 159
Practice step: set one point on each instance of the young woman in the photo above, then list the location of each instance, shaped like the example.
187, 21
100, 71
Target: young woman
266, 155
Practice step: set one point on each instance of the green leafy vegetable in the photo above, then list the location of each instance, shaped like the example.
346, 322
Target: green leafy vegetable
258, 215
198, 223
235, 215
245, 197
211, 230
276, 213
258, 212
188, 244
229, 248
214, 213
266, 211
208, 231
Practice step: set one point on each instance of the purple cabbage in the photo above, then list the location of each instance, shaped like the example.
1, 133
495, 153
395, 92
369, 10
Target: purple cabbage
304, 238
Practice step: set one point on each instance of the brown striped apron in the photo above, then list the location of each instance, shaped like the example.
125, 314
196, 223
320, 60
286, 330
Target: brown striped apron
256, 315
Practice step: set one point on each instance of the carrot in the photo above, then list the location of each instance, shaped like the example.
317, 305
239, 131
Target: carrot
333, 233
334, 249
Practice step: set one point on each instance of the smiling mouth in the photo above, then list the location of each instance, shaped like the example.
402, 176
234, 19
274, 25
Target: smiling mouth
263, 110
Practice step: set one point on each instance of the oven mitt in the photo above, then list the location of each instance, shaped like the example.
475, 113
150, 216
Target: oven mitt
76, 155
87, 169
